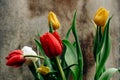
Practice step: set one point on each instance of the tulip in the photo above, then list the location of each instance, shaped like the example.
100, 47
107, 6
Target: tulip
15, 58
52, 18
43, 70
101, 17
29, 51
51, 44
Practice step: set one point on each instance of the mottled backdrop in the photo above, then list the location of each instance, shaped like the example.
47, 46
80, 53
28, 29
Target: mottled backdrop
20, 20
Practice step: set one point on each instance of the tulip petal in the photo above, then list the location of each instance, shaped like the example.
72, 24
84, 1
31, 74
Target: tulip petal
15, 61
14, 53
53, 18
101, 16
29, 51
57, 36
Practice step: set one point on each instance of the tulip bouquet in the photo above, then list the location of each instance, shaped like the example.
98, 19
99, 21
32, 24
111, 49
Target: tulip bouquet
62, 60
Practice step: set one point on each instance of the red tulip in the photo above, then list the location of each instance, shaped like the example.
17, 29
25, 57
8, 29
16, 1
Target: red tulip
51, 44
15, 58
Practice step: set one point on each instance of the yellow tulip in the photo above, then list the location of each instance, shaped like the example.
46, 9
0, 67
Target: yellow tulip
43, 70
53, 19
101, 17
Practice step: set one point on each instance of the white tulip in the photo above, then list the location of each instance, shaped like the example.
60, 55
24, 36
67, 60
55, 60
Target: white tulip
29, 51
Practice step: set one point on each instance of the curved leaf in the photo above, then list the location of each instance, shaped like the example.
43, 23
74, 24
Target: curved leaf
68, 33
71, 58
108, 74
97, 40
78, 48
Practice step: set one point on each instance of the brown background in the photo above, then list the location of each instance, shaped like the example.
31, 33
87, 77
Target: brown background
21, 19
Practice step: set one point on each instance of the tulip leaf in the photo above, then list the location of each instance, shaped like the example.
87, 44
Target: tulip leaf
68, 33
78, 48
71, 58
108, 74
40, 47
68, 67
97, 41
103, 51
38, 34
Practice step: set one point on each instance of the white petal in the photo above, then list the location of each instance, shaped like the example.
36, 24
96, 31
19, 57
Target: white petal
29, 51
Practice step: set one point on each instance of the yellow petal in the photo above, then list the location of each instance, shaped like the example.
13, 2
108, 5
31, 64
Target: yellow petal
101, 16
43, 70
53, 18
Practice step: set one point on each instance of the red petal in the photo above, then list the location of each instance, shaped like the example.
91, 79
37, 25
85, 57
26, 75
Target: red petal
57, 36
43, 40
14, 53
16, 61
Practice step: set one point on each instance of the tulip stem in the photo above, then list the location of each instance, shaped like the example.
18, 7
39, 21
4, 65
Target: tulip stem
50, 27
60, 69
41, 57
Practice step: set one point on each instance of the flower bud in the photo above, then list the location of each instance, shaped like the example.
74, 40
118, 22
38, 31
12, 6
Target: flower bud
52, 18
52, 44
15, 58
43, 70
101, 17
29, 51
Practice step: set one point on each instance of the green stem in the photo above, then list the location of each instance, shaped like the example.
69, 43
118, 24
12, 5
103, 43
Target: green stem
60, 69
50, 27
33, 69
41, 57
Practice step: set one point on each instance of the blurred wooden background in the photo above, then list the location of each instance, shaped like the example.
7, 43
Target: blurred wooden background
20, 20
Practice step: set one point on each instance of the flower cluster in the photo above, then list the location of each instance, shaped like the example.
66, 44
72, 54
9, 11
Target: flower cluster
63, 60
17, 57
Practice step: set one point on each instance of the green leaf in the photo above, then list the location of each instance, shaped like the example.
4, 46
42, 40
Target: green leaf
103, 51
68, 67
71, 58
68, 33
38, 34
97, 41
108, 74
78, 48
40, 47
